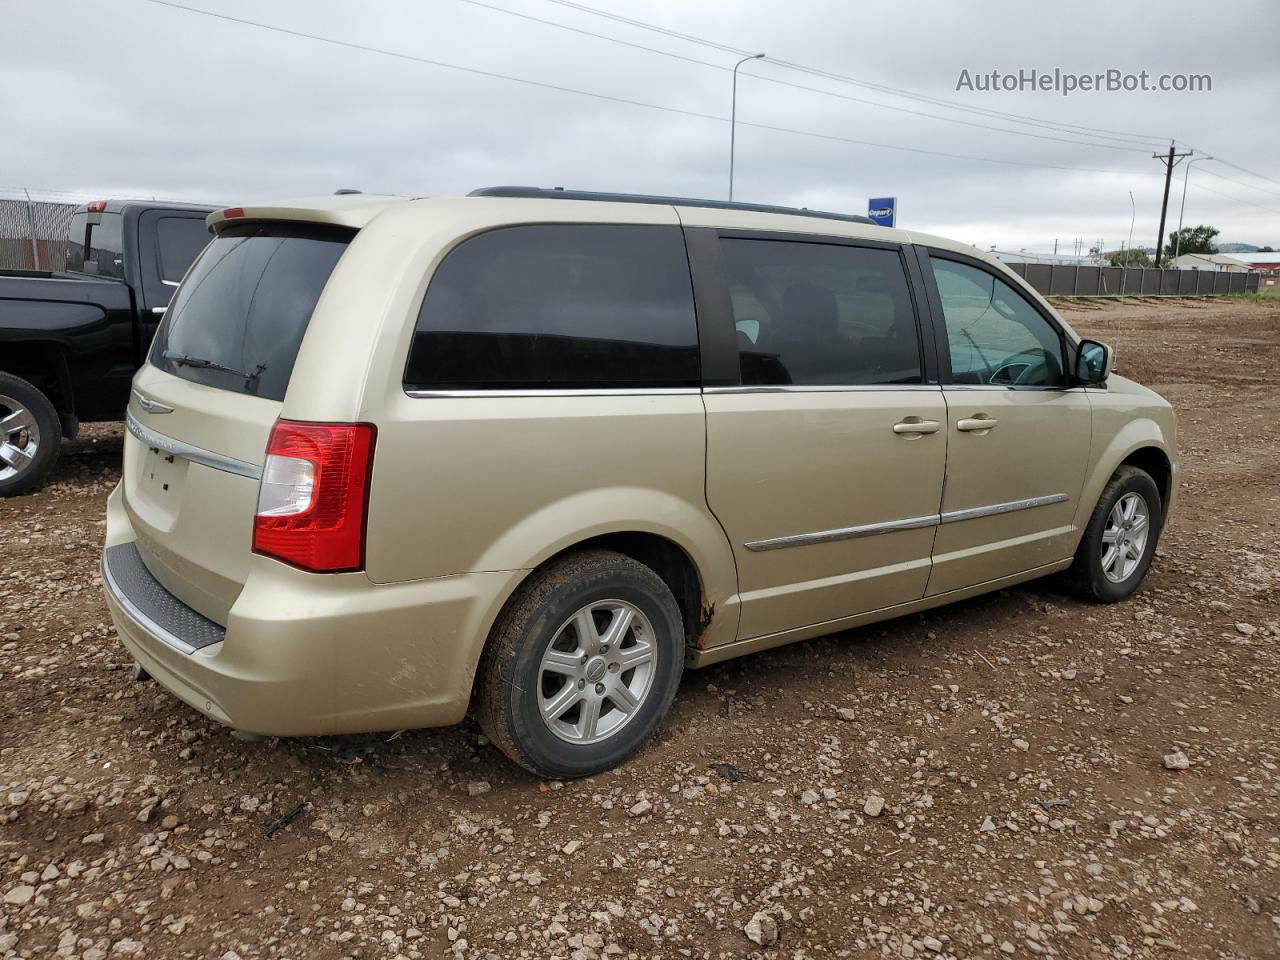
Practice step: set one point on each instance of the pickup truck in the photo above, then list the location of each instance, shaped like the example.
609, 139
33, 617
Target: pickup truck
71, 340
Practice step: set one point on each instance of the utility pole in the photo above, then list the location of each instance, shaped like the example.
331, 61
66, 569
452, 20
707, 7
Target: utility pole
1169, 162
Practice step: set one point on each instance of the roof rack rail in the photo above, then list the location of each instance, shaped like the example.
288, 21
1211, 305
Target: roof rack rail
559, 193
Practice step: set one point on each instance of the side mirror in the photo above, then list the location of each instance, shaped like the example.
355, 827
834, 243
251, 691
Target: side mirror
1093, 362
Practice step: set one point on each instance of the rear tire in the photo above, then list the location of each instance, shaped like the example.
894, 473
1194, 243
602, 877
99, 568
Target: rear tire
582, 665
30, 432
1120, 539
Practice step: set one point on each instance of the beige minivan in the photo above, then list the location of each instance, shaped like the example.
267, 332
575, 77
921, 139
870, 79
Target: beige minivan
533, 452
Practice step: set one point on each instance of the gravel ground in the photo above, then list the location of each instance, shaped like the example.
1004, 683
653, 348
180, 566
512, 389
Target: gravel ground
1021, 774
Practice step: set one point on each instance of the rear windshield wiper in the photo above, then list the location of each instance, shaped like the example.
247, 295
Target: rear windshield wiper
199, 363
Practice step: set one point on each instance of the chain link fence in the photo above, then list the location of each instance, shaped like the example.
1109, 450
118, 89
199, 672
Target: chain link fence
33, 232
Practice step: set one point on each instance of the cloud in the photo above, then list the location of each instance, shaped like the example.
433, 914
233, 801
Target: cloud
142, 99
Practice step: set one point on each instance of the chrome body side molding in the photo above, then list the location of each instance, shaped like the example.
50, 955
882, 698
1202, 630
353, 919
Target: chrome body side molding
843, 533
911, 523
955, 516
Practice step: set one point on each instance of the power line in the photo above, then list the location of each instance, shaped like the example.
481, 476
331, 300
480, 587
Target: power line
937, 153
1240, 183
895, 91
1236, 166
351, 45
598, 36
1219, 193
1060, 126
366, 48
794, 86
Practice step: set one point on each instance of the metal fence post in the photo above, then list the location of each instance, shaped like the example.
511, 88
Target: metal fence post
31, 219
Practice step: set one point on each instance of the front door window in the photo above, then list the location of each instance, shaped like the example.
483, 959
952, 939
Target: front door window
996, 336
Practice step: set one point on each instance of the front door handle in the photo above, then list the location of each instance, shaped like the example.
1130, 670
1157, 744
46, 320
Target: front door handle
976, 424
910, 426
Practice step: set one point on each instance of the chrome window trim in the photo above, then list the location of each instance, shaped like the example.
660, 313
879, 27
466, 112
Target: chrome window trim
140, 618
831, 388
670, 391
1002, 386
911, 523
558, 392
188, 451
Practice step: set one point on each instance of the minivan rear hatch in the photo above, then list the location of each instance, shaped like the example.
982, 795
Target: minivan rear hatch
205, 402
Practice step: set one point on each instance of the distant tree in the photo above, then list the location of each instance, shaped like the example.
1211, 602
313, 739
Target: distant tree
1194, 240
1266, 249
1130, 258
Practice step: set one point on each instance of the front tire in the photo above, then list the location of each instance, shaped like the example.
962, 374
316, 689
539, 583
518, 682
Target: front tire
30, 432
1120, 539
582, 665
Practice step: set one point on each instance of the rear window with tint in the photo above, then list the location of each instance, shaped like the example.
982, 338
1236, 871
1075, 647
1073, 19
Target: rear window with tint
180, 239
584, 306
96, 248
238, 319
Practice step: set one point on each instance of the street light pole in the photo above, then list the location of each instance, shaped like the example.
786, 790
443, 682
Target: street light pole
1177, 237
733, 115
1133, 215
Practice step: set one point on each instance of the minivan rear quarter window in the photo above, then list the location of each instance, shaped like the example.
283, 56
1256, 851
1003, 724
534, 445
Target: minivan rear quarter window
238, 319
551, 306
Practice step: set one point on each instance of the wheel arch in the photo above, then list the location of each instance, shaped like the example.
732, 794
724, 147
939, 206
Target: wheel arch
672, 561
669, 559
44, 364
1155, 462
1141, 443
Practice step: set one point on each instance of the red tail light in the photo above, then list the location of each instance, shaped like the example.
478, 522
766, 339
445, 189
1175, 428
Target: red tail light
97, 206
315, 495
233, 213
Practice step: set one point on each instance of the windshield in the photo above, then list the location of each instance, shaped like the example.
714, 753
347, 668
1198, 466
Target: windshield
238, 319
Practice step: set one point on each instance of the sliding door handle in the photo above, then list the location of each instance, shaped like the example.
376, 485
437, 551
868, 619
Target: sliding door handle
915, 427
976, 424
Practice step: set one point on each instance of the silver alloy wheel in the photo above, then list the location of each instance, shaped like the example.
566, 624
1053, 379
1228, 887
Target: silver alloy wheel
597, 671
19, 437
1124, 539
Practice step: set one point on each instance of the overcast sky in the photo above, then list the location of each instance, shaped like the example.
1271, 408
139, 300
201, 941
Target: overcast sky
135, 98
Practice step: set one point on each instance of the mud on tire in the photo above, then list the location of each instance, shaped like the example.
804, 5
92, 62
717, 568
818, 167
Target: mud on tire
552, 646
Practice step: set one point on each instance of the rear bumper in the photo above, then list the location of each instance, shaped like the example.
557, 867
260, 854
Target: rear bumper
309, 654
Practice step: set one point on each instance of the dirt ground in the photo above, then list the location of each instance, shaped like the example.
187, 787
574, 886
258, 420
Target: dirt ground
1016, 742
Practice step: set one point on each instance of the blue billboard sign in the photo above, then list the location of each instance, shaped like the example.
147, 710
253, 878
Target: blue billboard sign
883, 210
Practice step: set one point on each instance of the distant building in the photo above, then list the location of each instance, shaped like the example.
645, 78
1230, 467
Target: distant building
1219, 262
1267, 262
